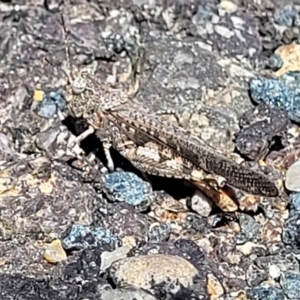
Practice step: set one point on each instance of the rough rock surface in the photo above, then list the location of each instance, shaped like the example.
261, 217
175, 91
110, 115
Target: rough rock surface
65, 229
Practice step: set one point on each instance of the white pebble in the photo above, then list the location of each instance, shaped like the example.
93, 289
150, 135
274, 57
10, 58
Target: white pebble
108, 258
292, 181
201, 204
274, 271
228, 6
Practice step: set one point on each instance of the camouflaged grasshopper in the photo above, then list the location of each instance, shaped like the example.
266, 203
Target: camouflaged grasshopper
149, 142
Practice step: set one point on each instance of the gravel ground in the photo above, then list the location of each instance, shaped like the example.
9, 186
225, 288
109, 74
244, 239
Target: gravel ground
231, 72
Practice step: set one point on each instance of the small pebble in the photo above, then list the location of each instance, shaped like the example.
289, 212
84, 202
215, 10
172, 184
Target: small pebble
159, 232
292, 180
228, 6
282, 93
50, 105
288, 36
290, 55
285, 16
47, 187
83, 237
202, 16
38, 95
294, 200
249, 229
55, 253
274, 271
291, 230
290, 284
275, 62
108, 258
214, 287
265, 292
269, 91
129, 240
127, 187
201, 204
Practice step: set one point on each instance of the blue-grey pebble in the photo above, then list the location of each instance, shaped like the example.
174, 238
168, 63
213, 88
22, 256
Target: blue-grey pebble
285, 16
294, 200
283, 93
51, 103
290, 284
127, 187
265, 292
83, 237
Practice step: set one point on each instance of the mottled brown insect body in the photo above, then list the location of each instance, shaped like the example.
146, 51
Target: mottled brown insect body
152, 144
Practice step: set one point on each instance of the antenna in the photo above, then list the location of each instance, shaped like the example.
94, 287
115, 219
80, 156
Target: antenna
67, 48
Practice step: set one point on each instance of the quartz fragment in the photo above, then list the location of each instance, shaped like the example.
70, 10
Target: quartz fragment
292, 180
274, 271
228, 6
82, 237
54, 252
201, 204
38, 95
108, 258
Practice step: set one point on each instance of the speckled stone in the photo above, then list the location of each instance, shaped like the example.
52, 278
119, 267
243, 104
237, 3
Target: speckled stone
194, 58
146, 271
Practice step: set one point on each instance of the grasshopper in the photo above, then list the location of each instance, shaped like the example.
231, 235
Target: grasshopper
152, 144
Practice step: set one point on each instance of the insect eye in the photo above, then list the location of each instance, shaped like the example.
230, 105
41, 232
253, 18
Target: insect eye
79, 85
